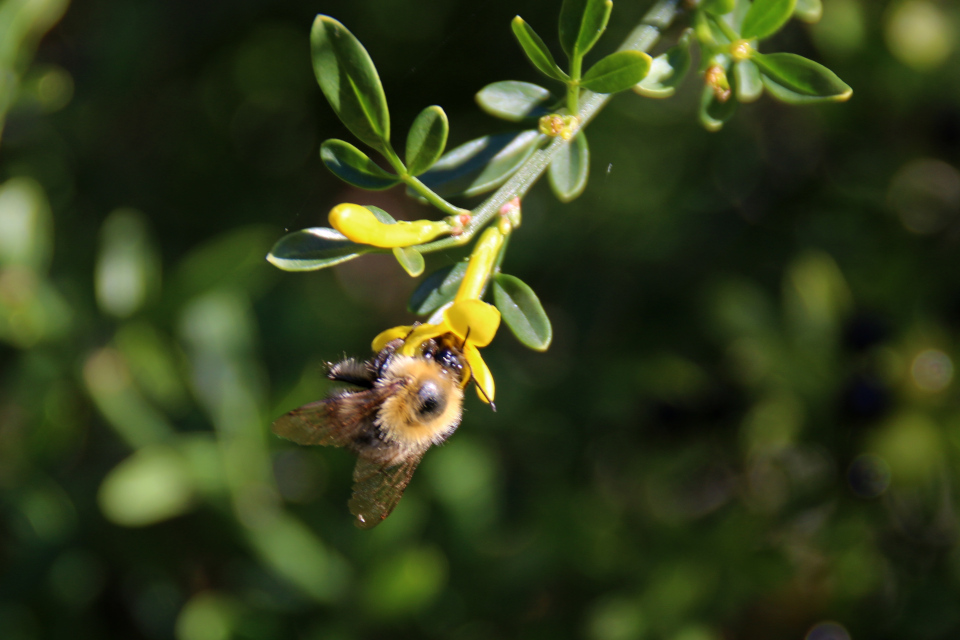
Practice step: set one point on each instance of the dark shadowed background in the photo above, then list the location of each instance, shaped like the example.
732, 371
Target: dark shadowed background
747, 426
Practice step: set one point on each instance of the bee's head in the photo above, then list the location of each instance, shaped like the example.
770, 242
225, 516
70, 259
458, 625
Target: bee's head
425, 404
447, 355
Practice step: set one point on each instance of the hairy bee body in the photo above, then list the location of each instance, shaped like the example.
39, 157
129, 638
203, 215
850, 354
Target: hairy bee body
401, 407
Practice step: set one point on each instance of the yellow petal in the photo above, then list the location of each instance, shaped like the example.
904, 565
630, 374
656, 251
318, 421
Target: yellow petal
419, 335
360, 225
390, 334
474, 319
480, 372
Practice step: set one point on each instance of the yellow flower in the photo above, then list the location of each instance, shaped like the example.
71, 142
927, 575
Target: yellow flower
469, 323
361, 226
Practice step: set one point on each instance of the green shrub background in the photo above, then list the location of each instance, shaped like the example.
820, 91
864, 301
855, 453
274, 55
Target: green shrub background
746, 426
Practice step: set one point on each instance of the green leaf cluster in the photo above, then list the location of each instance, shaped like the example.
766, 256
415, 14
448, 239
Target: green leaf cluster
728, 32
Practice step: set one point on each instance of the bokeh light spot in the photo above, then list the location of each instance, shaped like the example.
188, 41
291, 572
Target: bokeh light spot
918, 34
869, 475
827, 631
925, 195
842, 28
932, 370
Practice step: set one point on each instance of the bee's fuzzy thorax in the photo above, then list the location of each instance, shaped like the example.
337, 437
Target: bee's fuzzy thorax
425, 409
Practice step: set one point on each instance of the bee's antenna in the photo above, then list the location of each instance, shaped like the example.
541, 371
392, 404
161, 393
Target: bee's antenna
465, 338
493, 407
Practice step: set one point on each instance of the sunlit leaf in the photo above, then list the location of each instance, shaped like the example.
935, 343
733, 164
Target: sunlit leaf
570, 168
797, 80
314, 248
26, 225
152, 485
667, 70
480, 165
349, 81
582, 22
513, 100
765, 17
617, 72
522, 312
410, 259
354, 166
437, 289
809, 10
714, 112
749, 84
537, 52
427, 139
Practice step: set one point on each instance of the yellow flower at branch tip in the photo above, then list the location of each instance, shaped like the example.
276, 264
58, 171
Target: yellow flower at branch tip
360, 225
467, 325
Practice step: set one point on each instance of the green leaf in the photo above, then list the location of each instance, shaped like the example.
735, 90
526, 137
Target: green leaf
749, 84
427, 139
796, 80
714, 113
536, 50
617, 72
667, 70
410, 259
437, 289
522, 312
513, 100
480, 165
315, 248
349, 81
718, 7
569, 169
809, 11
582, 22
765, 17
354, 166
380, 214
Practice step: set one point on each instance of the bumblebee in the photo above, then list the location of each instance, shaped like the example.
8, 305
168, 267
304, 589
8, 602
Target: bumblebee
401, 406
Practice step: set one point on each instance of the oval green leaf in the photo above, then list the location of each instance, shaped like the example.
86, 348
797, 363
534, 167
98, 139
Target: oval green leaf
667, 70
427, 139
522, 312
513, 100
537, 52
437, 289
410, 259
809, 11
570, 168
314, 248
765, 17
713, 112
617, 72
749, 84
582, 22
796, 80
354, 166
480, 165
349, 81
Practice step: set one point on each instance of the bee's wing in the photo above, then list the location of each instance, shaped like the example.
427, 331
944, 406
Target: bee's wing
377, 489
335, 421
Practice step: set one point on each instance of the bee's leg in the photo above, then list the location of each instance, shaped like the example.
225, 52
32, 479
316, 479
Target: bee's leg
352, 372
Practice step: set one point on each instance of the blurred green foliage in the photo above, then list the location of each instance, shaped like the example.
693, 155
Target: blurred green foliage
746, 425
